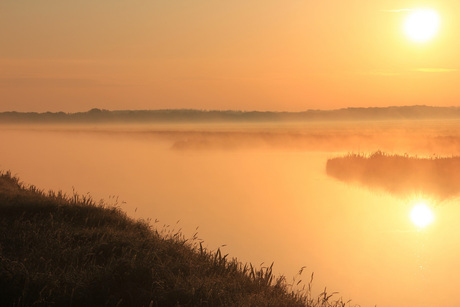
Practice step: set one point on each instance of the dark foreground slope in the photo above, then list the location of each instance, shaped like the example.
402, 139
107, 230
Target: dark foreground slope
57, 250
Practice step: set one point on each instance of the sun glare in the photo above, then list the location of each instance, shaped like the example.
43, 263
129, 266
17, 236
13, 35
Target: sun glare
421, 215
421, 25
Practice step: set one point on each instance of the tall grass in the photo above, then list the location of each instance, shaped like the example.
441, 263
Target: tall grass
69, 251
400, 174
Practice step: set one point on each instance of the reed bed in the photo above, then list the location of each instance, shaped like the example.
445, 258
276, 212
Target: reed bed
436, 176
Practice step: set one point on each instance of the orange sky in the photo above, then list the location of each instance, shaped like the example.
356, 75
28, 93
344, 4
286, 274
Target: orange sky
241, 54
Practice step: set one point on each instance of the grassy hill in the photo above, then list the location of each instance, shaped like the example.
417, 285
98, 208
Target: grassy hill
68, 251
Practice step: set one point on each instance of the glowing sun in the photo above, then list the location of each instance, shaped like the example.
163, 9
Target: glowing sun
421, 25
421, 215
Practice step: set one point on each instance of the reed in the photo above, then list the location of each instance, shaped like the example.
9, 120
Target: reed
71, 251
403, 175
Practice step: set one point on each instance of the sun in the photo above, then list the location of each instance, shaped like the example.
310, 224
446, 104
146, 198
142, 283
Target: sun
421, 215
422, 24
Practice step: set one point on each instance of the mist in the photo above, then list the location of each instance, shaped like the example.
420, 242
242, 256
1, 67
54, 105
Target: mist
260, 192
417, 137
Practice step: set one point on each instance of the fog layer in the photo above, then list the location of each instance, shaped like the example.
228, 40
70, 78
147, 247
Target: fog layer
263, 191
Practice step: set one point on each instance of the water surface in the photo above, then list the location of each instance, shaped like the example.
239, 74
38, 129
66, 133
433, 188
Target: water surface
263, 192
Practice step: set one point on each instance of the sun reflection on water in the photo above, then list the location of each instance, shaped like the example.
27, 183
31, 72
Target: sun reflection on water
421, 214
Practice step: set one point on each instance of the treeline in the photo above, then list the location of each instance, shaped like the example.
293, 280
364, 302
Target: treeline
191, 115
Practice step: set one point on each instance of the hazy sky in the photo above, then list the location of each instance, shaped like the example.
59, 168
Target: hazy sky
62, 55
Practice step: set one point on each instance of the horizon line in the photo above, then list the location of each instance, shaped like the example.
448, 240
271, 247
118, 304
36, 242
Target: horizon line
96, 109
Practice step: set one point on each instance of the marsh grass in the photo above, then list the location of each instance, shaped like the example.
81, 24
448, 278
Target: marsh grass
436, 176
69, 251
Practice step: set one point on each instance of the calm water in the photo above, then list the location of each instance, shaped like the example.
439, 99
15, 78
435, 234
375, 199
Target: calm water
265, 196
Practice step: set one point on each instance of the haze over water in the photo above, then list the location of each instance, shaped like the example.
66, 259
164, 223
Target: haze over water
262, 190
266, 191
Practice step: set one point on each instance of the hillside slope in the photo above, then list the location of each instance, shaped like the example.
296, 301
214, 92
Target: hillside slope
58, 250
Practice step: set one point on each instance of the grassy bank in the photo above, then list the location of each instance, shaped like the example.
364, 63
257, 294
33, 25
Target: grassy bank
68, 251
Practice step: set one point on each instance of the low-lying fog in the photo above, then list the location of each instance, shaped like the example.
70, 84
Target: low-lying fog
263, 191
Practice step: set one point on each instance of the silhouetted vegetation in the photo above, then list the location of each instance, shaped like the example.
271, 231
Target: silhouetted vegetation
402, 175
190, 115
69, 251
